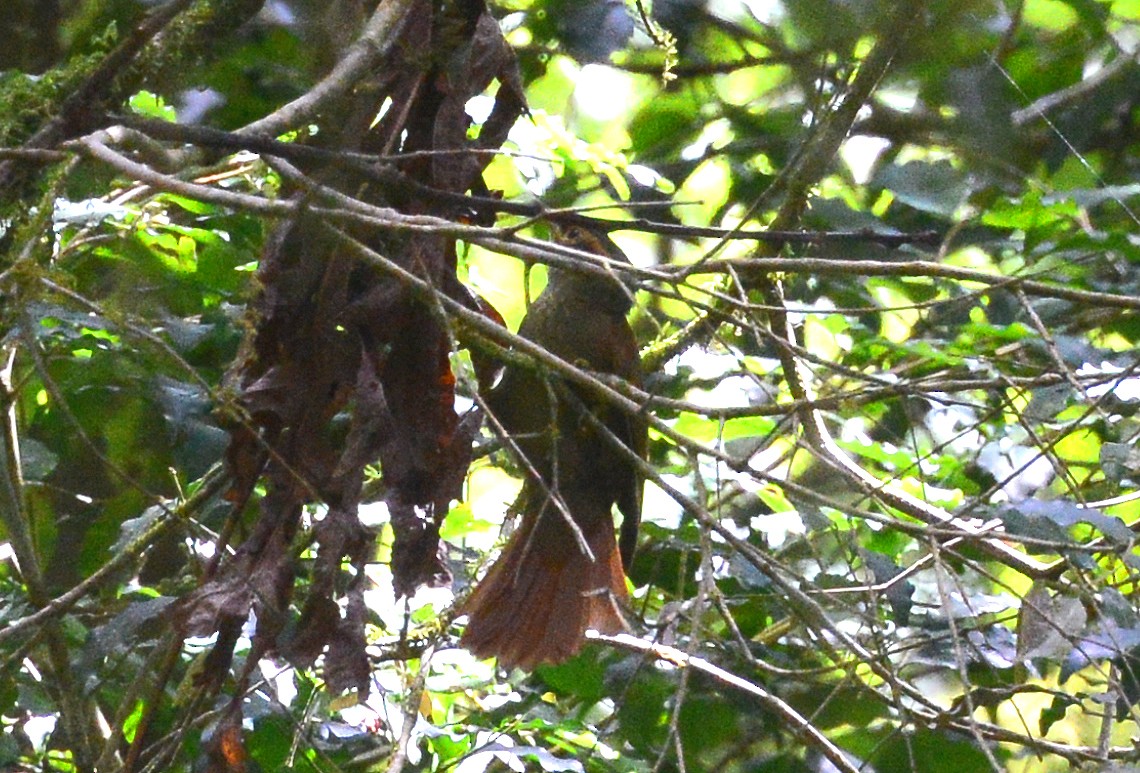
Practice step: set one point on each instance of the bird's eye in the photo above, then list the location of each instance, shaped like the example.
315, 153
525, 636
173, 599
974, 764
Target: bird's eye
575, 234
579, 237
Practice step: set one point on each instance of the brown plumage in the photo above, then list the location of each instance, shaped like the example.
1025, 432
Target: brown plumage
544, 591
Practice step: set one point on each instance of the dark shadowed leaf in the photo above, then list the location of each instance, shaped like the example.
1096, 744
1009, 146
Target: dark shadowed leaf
936, 187
1048, 624
1051, 520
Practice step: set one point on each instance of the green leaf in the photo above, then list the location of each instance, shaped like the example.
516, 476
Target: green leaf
938, 187
151, 105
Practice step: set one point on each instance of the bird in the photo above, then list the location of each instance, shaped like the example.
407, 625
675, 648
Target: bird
552, 580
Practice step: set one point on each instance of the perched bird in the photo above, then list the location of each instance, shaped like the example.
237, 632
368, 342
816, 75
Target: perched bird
537, 600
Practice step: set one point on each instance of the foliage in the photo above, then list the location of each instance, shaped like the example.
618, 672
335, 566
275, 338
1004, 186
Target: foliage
887, 295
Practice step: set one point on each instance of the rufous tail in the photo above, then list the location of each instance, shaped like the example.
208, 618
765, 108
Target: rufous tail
543, 592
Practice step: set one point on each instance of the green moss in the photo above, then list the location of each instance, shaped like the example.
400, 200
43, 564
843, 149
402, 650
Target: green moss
186, 42
31, 100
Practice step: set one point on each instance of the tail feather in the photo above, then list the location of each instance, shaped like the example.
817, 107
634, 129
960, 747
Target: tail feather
540, 596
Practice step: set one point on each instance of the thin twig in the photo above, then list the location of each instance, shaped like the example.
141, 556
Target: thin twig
796, 721
411, 714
